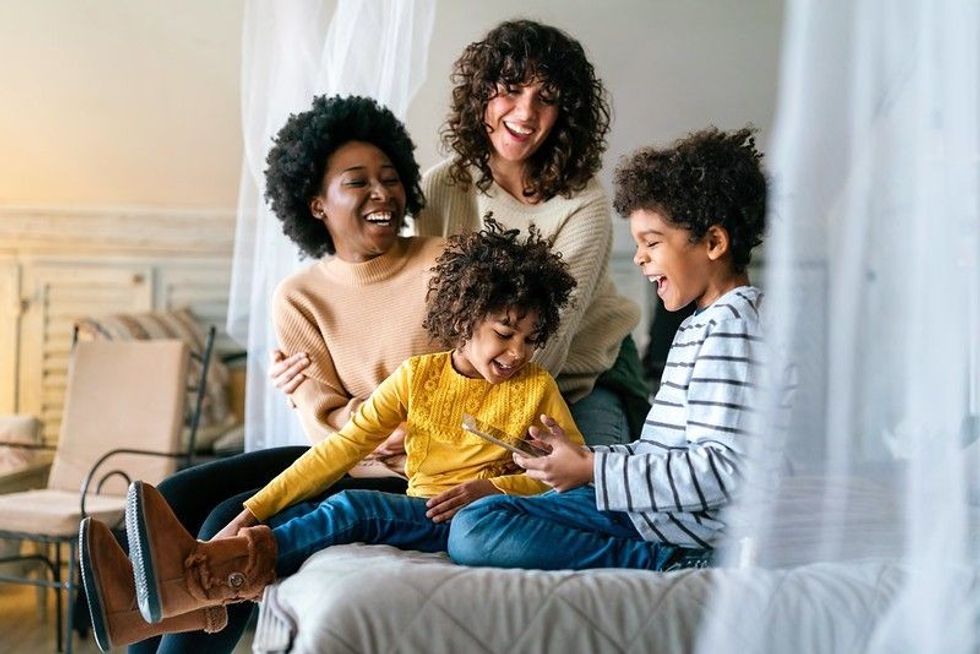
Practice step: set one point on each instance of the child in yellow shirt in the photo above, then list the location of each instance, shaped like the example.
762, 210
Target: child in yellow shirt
493, 297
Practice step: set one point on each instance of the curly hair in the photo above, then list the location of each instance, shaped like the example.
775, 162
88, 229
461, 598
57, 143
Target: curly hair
482, 272
519, 52
708, 178
298, 161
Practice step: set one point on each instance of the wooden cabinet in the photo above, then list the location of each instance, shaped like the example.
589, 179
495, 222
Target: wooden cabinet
10, 310
55, 295
56, 267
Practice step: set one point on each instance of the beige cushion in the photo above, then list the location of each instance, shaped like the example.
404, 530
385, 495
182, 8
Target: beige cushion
121, 394
20, 429
178, 324
55, 512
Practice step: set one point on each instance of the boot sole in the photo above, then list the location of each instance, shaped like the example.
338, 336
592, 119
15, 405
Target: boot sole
147, 590
96, 606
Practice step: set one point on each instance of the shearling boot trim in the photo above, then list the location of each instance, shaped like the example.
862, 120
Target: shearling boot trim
215, 619
232, 569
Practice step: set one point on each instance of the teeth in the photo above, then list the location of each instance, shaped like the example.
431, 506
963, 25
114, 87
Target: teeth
379, 217
523, 131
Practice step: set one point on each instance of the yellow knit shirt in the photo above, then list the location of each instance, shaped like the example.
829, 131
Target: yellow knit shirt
428, 392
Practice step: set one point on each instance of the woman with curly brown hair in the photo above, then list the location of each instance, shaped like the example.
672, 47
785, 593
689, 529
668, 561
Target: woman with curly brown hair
527, 130
494, 298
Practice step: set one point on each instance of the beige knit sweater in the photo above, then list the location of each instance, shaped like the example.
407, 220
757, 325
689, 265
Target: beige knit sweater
358, 322
598, 319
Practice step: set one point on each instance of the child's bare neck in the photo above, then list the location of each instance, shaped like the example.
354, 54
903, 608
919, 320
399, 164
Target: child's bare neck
461, 365
718, 287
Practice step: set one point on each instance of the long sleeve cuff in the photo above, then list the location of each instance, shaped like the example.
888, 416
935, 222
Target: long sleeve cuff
519, 484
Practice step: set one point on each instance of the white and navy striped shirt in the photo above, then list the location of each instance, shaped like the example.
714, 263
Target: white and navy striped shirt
676, 478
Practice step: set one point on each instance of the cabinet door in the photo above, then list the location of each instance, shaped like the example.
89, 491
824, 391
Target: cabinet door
10, 310
55, 297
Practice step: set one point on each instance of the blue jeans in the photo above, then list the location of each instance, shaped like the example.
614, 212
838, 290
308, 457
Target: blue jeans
553, 531
354, 516
601, 417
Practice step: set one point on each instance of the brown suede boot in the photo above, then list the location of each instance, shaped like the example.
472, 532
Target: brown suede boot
175, 573
108, 579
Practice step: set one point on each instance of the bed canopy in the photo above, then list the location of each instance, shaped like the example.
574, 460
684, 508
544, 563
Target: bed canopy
872, 275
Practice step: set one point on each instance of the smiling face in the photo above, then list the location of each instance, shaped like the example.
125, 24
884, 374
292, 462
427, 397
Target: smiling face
683, 271
361, 201
519, 119
500, 346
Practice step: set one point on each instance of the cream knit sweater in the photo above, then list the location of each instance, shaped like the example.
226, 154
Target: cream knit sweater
598, 318
358, 322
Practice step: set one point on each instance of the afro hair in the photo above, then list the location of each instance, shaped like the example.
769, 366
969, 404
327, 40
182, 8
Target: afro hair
298, 160
709, 178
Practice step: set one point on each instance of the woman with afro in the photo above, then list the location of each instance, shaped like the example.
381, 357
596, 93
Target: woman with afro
341, 177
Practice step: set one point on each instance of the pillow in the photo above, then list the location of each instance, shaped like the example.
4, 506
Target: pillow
18, 429
179, 324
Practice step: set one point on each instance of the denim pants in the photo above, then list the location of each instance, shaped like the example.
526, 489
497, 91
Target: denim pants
355, 516
601, 417
554, 531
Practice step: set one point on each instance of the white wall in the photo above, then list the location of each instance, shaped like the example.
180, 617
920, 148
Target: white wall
120, 103
135, 102
671, 66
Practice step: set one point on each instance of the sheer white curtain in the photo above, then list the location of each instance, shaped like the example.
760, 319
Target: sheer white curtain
292, 51
873, 287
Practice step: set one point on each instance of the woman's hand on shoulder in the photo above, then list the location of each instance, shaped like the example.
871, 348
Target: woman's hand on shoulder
444, 506
286, 372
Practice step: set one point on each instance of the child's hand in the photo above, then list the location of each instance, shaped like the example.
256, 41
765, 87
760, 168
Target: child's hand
241, 521
444, 506
285, 372
567, 466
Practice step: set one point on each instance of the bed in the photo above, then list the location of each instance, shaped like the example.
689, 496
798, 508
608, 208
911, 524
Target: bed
376, 598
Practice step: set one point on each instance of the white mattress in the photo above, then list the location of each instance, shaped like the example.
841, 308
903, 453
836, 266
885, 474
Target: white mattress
375, 598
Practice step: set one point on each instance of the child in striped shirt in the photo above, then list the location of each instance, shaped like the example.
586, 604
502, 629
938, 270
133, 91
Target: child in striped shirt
696, 210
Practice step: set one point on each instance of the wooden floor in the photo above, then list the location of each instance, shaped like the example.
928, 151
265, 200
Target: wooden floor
25, 629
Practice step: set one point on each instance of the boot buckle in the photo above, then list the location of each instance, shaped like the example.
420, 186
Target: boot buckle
236, 580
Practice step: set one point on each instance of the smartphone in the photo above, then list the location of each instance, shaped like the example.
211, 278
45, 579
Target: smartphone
519, 446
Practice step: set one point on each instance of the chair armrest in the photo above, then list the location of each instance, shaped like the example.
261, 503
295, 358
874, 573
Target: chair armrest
87, 482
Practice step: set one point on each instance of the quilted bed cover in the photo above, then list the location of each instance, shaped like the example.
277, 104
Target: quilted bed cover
375, 598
